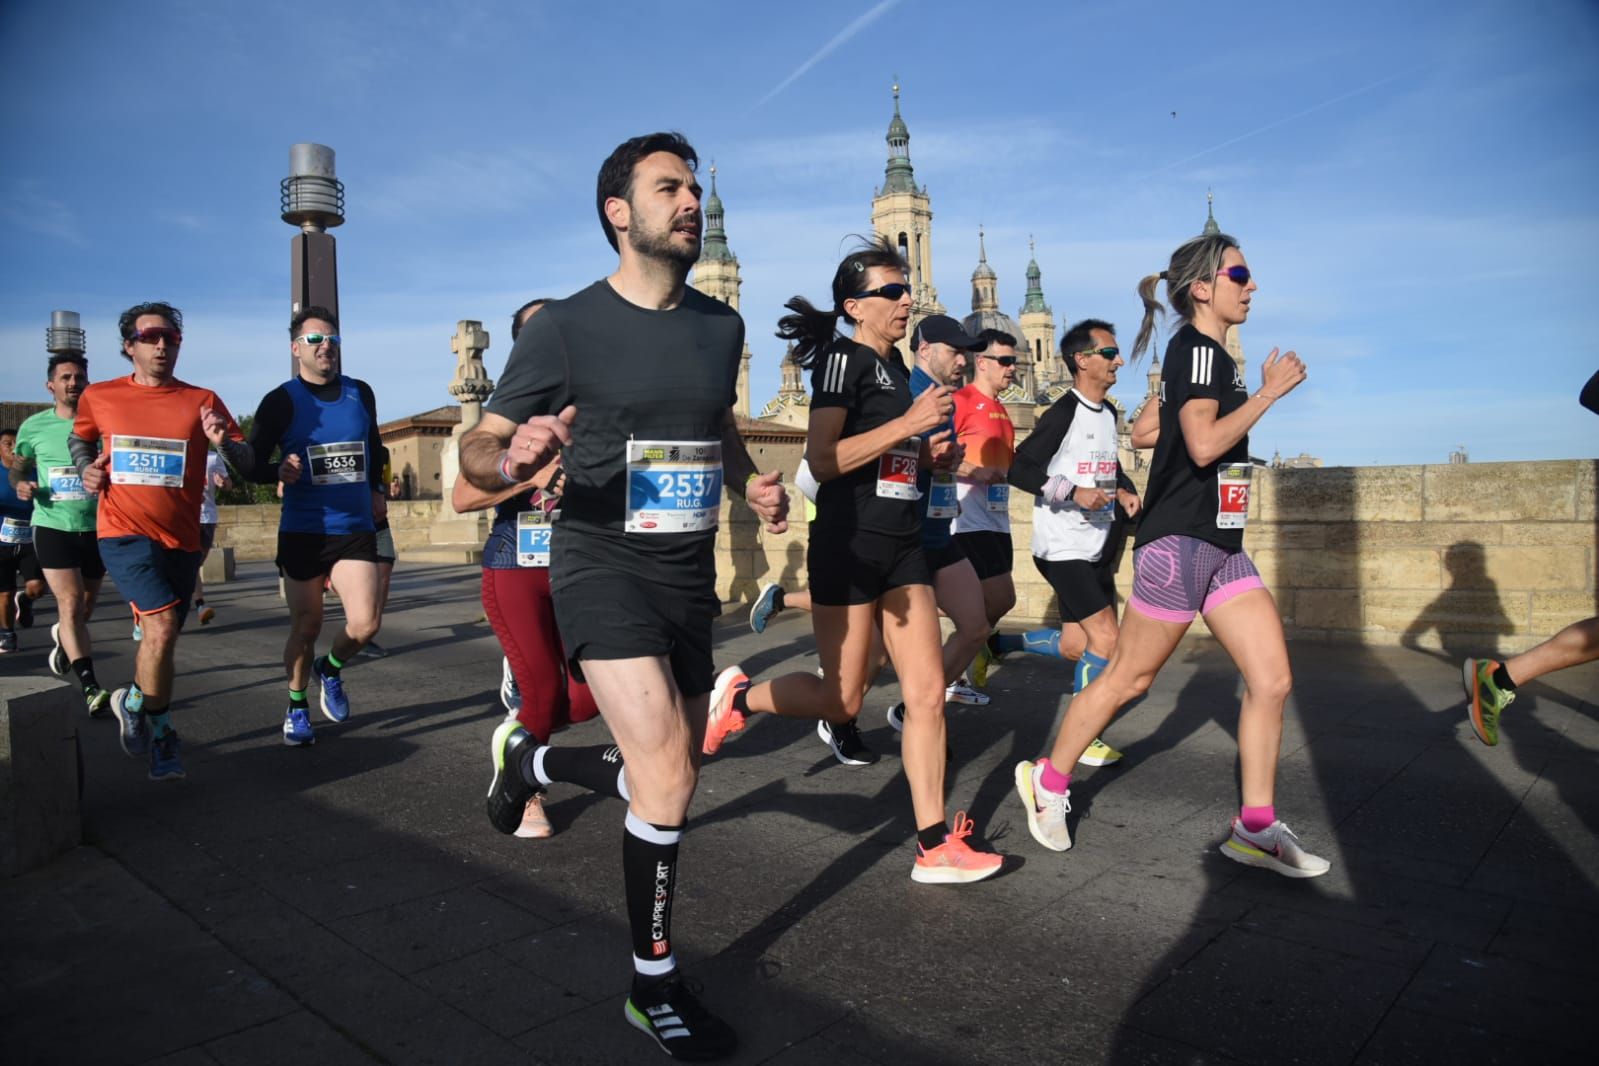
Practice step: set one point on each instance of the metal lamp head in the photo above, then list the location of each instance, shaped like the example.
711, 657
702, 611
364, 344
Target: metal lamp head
65, 336
313, 198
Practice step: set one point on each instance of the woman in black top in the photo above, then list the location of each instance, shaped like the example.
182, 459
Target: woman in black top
865, 555
1189, 556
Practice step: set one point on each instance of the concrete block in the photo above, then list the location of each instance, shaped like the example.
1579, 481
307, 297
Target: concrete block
1578, 535
1326, 608
1396, 568
1340, 494
1553, 610
1417, 617
1367, 535
1587, 490
218, 567
40, 816
1537, 568
1504, 492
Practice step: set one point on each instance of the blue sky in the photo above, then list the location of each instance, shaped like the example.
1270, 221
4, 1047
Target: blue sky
1412, 183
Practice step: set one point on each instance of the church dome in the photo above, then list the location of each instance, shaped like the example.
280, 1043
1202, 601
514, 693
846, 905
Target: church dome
978, 321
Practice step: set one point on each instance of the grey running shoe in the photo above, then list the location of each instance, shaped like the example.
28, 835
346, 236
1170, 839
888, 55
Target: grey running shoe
1046, 810
135, 726
1274, 848
59, 663
8, 640
961, 692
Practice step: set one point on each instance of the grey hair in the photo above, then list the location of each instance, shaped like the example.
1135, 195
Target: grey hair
1198, 259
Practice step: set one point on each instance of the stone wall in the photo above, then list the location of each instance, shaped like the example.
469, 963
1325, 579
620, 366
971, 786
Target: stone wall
1485, 556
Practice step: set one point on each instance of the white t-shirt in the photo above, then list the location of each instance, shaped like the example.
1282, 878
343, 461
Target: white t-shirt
1087, 457
208, 504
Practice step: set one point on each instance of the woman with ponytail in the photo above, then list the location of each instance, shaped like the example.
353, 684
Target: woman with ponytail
865, 556
1189, 557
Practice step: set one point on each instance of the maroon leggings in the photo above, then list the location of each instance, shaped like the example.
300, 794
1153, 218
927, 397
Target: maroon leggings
518, 605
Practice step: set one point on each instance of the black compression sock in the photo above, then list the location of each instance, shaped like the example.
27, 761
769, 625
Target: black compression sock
741, 700
328, 666
1502, 680
84, 668
649, 870
596, 769
777, 599
932, 836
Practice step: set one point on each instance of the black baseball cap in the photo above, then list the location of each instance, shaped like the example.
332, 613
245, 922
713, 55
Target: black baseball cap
941, 329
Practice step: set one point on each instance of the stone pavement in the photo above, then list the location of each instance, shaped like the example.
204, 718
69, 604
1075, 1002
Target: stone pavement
348, 903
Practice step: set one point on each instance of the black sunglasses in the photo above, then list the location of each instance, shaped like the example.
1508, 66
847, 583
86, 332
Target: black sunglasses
1108, 353
1002, 360
157, 334
892, 291
1238, 274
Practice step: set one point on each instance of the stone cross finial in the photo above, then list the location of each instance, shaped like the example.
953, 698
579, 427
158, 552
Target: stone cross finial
471, 384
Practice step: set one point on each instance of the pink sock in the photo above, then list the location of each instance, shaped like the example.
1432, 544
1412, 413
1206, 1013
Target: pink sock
1257, 818
1052, 778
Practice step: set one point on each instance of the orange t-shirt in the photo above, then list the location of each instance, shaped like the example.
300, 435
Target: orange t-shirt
156, 479
983, 427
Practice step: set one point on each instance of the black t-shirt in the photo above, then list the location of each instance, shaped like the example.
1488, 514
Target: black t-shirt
632, 373
872, 391
1184, 498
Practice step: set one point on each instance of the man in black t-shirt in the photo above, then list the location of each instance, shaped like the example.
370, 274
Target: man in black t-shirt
633, 380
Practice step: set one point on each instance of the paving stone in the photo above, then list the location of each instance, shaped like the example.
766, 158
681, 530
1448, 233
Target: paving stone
297, 1037
1547, 1006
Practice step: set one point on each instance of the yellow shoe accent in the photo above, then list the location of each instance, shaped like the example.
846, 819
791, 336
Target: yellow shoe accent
1100, 754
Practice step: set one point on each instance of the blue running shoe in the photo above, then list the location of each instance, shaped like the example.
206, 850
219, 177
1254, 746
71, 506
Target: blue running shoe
297, 730
138, 632
164, 762
135, 727
765, 606
335, 704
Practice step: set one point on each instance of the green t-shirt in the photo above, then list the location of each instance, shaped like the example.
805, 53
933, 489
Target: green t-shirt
59, 502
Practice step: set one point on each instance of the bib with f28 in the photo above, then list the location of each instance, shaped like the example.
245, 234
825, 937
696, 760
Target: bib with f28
673, 486
533, 538
1232, 495
896, 472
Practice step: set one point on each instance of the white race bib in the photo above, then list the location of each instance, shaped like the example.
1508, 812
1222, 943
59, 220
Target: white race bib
1232, 495
896, 473
15, 531
673, 486
341, 463
65, 484
533, 539
998, 498
941, 501
157, 461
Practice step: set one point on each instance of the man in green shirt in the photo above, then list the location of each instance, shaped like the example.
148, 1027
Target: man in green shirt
63, 522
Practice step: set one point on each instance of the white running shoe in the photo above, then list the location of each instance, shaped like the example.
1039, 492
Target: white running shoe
1046, 810
961, 692
1274, 848
510, 695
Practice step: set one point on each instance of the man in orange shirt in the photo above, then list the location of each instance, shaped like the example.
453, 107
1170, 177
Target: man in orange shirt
150, 478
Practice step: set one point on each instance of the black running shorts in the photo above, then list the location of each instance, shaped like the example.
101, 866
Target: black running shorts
989, 550
18, 559
947, 554
859, 566
59, 550
1083, 588
308, 556
610, 615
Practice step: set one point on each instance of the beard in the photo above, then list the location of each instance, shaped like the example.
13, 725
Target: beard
658, 243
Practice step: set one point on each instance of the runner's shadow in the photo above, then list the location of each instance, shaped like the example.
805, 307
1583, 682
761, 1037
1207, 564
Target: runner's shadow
1468, 616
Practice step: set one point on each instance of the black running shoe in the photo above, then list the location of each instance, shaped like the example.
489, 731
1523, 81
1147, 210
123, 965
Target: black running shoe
508, 793
846, 742
673, 1016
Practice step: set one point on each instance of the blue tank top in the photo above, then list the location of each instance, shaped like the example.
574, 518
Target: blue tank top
334, 493
935, 531
11, 505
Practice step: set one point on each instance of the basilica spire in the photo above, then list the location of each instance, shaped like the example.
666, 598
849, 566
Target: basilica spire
1211, 229
1035, 282
898, 177
715, 245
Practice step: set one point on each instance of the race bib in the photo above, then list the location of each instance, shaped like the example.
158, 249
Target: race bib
1232, 495
15, 531
998, 498
154, 461
343, 463
941, 501
533, 539
673, 486
896, 473
65, 484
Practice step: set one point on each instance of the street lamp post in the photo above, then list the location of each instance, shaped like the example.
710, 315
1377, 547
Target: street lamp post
65, 335
313, 199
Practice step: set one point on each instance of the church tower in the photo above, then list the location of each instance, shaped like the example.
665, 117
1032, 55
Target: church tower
903, 213
716, 275
1235, 346
1038, 326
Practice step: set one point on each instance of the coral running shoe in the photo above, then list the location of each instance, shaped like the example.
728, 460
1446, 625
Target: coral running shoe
954, 862
725, 719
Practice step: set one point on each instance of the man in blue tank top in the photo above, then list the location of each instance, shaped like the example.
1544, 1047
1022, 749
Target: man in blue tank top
330, 463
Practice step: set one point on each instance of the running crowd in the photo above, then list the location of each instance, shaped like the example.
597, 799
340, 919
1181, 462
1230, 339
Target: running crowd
604, 453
